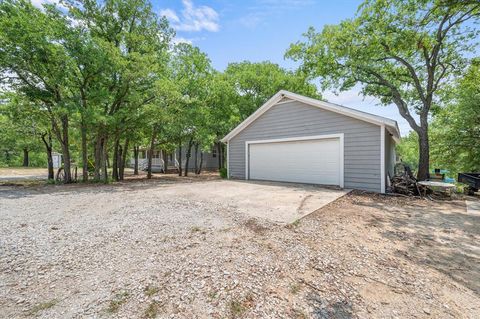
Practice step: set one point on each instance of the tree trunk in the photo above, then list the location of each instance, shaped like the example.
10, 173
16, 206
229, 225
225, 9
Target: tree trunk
66, 164
66, 150
25, 157
105, 160
219, 155
135, 158
196, 158
424, 154
116, 148
98, 157
123, 159
180, 158
199, 171
150, 152
49, 147
188, 155
83, 130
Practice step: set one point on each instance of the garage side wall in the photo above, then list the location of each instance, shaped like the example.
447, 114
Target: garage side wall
296, 119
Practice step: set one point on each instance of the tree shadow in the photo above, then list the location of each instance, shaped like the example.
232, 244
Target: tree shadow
437, 234
322, 309
158, 181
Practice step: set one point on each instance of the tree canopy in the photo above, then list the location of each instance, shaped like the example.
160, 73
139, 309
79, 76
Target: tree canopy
102, 77
401, 52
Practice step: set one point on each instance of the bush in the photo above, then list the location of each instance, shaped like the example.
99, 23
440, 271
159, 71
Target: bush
223, 172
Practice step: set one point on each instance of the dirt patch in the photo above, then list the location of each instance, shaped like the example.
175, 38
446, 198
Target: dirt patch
143, 250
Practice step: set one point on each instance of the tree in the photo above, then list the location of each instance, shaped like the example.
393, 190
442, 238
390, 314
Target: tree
133, 43
255, 83
250, 85
33, 63
401, 52
27, 127
455, 130
191, 72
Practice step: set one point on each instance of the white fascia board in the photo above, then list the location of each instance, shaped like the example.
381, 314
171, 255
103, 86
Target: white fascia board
382, 159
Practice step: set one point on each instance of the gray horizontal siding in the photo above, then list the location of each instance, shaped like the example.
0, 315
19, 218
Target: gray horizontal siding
296, 119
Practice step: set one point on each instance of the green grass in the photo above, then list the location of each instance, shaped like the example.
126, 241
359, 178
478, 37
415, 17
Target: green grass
237, 308
152, 309
212, 295
151, 290
42, 306
119, 299
295, 288
294, 224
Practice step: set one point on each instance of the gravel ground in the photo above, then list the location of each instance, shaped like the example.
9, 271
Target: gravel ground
126, 251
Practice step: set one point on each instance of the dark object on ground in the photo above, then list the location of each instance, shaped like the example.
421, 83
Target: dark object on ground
472, 180
403, 181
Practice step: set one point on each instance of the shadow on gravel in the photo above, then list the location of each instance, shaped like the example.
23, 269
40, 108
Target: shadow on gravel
323, 309
438, 234
19, 191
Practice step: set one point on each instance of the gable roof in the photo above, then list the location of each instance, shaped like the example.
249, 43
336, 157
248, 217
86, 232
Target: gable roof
286, 96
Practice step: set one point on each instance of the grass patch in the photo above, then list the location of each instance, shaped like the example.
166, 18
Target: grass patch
298, 314
152, 309
237, 308
197, 229
212, 295
295, 288
295, 224
42, 306
119, 299
151, 290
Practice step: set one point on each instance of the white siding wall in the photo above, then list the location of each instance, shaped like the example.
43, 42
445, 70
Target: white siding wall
295, 119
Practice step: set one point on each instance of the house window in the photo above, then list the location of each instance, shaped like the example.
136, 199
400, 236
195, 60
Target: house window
214, 151
142, 154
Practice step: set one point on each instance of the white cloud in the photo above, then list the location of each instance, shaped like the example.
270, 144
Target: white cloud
193, 18
170, 15
263, 9
178, 40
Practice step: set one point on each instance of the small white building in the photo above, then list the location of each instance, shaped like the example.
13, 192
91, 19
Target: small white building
57, 159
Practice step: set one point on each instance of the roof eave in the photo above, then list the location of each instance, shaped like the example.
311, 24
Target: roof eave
318, 103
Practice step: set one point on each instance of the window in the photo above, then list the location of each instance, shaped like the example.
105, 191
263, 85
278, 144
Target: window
214, 151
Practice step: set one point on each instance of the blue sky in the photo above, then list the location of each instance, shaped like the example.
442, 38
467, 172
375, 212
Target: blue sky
233, 31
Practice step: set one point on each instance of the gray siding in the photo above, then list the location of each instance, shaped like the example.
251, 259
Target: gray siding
295, 119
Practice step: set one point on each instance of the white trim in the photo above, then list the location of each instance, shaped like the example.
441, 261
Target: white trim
340, 136
370, 118
228, 160
382, 159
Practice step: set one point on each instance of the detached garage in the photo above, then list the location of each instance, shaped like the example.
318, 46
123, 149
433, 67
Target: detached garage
293, 138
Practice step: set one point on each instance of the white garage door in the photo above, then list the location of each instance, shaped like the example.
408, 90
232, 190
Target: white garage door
306, 161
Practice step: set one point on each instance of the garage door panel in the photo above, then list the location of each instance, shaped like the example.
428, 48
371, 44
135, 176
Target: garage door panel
309, 161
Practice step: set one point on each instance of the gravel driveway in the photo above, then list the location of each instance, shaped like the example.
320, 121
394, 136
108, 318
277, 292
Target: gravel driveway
143, 250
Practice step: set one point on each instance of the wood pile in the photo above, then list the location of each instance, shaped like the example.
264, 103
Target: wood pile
403, 181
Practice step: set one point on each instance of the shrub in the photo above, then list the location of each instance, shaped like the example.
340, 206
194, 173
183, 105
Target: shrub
223, 172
